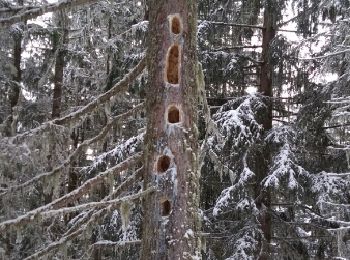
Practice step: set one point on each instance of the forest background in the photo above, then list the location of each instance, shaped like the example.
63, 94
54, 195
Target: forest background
273, 128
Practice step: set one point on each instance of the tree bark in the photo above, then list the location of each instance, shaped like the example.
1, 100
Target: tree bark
11, 125
266, 72
171, 221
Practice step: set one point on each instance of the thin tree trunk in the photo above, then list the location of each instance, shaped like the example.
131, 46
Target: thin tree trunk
171, 222
11, 125
60, 42
266, 68
266, 89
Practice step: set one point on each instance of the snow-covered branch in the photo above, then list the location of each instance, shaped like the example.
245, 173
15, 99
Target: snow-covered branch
74, 195
91, 217
35, 12
112, 244
78, 150
121, 86
96, 204
325, 56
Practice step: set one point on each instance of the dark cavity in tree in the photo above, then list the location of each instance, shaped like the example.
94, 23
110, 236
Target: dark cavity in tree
163, 163
166, 208
175, 25
173, 115
173, 65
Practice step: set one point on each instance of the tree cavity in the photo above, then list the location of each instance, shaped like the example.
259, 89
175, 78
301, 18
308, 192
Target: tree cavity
173, 115
163, 163
172, 71
166, 208
176, 26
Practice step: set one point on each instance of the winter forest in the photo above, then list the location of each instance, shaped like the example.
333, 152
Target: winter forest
163, 129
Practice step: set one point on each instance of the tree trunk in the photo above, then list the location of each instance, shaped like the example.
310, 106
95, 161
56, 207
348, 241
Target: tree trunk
266, 68
11, 125
265, 88
171, 221
60, 41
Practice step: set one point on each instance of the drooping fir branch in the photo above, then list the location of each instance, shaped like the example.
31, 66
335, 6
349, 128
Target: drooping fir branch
121, 86
73, 195
89, 218
35, 12
58, 170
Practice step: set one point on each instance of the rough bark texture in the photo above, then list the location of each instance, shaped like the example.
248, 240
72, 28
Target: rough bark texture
171, 221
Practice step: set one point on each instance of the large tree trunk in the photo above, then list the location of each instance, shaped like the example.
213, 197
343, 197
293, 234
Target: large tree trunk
171, 221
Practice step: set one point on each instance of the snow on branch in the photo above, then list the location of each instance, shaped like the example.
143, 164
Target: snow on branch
236, 193
237, 119
284, 173
74, 195
91, 217
41, 10
120, 86
235, 24
107, 243
95, 204
80, 148
330, 187
325, 56
121, 150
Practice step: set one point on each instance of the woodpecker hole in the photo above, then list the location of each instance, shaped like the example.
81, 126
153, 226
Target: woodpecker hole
173, 65
163, 163
175, 25
173, 115
166, 208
